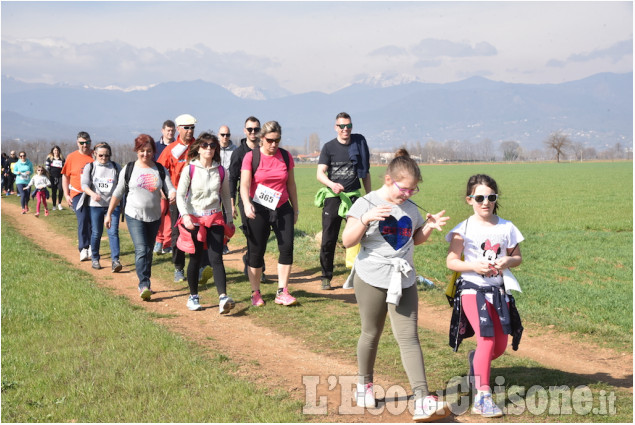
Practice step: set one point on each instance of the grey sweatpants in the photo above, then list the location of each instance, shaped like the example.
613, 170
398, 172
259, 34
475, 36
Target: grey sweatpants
403, 318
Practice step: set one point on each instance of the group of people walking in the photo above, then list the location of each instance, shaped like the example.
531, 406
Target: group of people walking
180, 197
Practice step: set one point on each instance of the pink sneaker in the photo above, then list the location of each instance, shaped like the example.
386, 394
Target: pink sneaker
37, 214
46, 213
256, 299
285, 298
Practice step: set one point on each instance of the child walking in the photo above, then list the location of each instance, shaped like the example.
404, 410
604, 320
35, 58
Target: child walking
40, 183
489, 245
388, 225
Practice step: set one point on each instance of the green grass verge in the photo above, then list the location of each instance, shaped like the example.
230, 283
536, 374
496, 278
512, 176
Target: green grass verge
72, 352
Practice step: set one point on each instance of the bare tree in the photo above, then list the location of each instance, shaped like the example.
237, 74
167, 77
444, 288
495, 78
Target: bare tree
559, 143
511, 150
314, 143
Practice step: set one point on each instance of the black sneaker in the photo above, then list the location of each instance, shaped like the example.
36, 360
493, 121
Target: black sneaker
116, 266
96, 265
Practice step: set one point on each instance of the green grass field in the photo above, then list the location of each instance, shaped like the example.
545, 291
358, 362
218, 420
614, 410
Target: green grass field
576, 276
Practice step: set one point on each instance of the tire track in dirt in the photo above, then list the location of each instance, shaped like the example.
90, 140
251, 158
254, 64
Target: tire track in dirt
276, 361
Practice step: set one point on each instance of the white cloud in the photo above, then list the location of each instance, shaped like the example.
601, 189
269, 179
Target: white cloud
308, 46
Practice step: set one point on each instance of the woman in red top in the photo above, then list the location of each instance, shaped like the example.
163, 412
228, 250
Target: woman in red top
270, 201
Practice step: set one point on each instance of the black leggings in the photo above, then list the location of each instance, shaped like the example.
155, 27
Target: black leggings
215, 236
56, 190
259, 229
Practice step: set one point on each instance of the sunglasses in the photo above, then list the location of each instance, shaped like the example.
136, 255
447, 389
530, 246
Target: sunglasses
272, 140
408, 192
343, 126
22, 156
208, 145
252, 129
103, 155
84, 143
480, 198
225, 134
187, 127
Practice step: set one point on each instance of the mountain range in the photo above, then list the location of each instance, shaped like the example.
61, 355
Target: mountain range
597, 111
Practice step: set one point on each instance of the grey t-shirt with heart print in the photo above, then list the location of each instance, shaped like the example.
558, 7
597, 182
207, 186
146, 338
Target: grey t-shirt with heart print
391, 238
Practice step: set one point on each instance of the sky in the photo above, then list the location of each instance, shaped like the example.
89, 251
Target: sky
323, 46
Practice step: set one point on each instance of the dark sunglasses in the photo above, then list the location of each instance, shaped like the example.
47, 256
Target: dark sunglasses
343, 126
103, 155
272, 140
225, 134
22, 156
187, 127
208, 145
252, 129
480, 198
84, 143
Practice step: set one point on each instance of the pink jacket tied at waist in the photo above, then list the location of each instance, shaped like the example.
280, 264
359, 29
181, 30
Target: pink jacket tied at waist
185, 242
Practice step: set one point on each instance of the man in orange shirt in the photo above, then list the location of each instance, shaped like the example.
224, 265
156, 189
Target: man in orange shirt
174, 158
72, 186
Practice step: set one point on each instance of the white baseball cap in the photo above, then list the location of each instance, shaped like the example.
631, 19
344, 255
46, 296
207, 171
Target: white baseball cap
185, 119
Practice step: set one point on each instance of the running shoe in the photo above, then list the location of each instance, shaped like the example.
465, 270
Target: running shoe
158, 248
365, 396
284, 298
116, 266
193, 303
256, 299
484, 405
179, 276
226, 304
429, 409
145, 294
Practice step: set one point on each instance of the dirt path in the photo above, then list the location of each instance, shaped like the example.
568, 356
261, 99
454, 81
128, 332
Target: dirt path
280, 362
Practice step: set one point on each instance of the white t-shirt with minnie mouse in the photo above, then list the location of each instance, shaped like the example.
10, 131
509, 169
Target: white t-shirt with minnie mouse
485, 243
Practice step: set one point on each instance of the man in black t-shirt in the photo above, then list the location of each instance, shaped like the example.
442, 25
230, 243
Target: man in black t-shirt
343, 162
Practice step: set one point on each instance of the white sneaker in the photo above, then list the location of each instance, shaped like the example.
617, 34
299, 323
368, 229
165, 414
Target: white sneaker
365, 395
84, 255
90, 252
429, 409
226, 304
59, 207
193, 303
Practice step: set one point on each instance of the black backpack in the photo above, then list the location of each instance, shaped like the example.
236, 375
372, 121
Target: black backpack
255, 159
126, 177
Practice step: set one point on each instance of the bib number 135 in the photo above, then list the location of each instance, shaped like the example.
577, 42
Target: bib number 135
267, 197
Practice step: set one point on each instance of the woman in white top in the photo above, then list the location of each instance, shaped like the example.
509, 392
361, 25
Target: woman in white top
99, 180
202, 194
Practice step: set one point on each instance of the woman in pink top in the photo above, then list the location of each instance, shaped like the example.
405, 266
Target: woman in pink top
270, 200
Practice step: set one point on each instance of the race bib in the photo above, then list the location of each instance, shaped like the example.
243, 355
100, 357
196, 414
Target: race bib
267, 197
57, 163
104, 185
178, 150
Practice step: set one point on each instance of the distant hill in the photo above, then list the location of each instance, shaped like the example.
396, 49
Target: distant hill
597, 111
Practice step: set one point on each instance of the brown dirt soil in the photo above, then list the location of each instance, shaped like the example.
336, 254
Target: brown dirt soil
279, 362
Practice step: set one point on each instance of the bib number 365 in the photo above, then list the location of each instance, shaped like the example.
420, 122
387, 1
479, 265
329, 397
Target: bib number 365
267, 197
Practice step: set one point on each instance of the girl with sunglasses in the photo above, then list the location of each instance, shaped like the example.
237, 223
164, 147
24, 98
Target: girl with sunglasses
23, 170
489, 245
99, 180
202, 194
388, 225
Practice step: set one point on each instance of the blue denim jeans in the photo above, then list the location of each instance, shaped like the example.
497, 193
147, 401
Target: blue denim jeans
24, 194
97, 223
143, 235
83, 223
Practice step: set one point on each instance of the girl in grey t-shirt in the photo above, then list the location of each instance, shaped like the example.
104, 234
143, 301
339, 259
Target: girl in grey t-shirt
388, 226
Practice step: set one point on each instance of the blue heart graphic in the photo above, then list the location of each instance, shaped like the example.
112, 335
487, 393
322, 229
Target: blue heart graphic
396, 232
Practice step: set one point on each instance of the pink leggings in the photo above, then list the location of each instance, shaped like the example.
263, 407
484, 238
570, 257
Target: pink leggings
41, 198
487, 348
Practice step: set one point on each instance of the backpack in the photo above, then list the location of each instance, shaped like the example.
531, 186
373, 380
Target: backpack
92, 172
255, 159
128, 174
